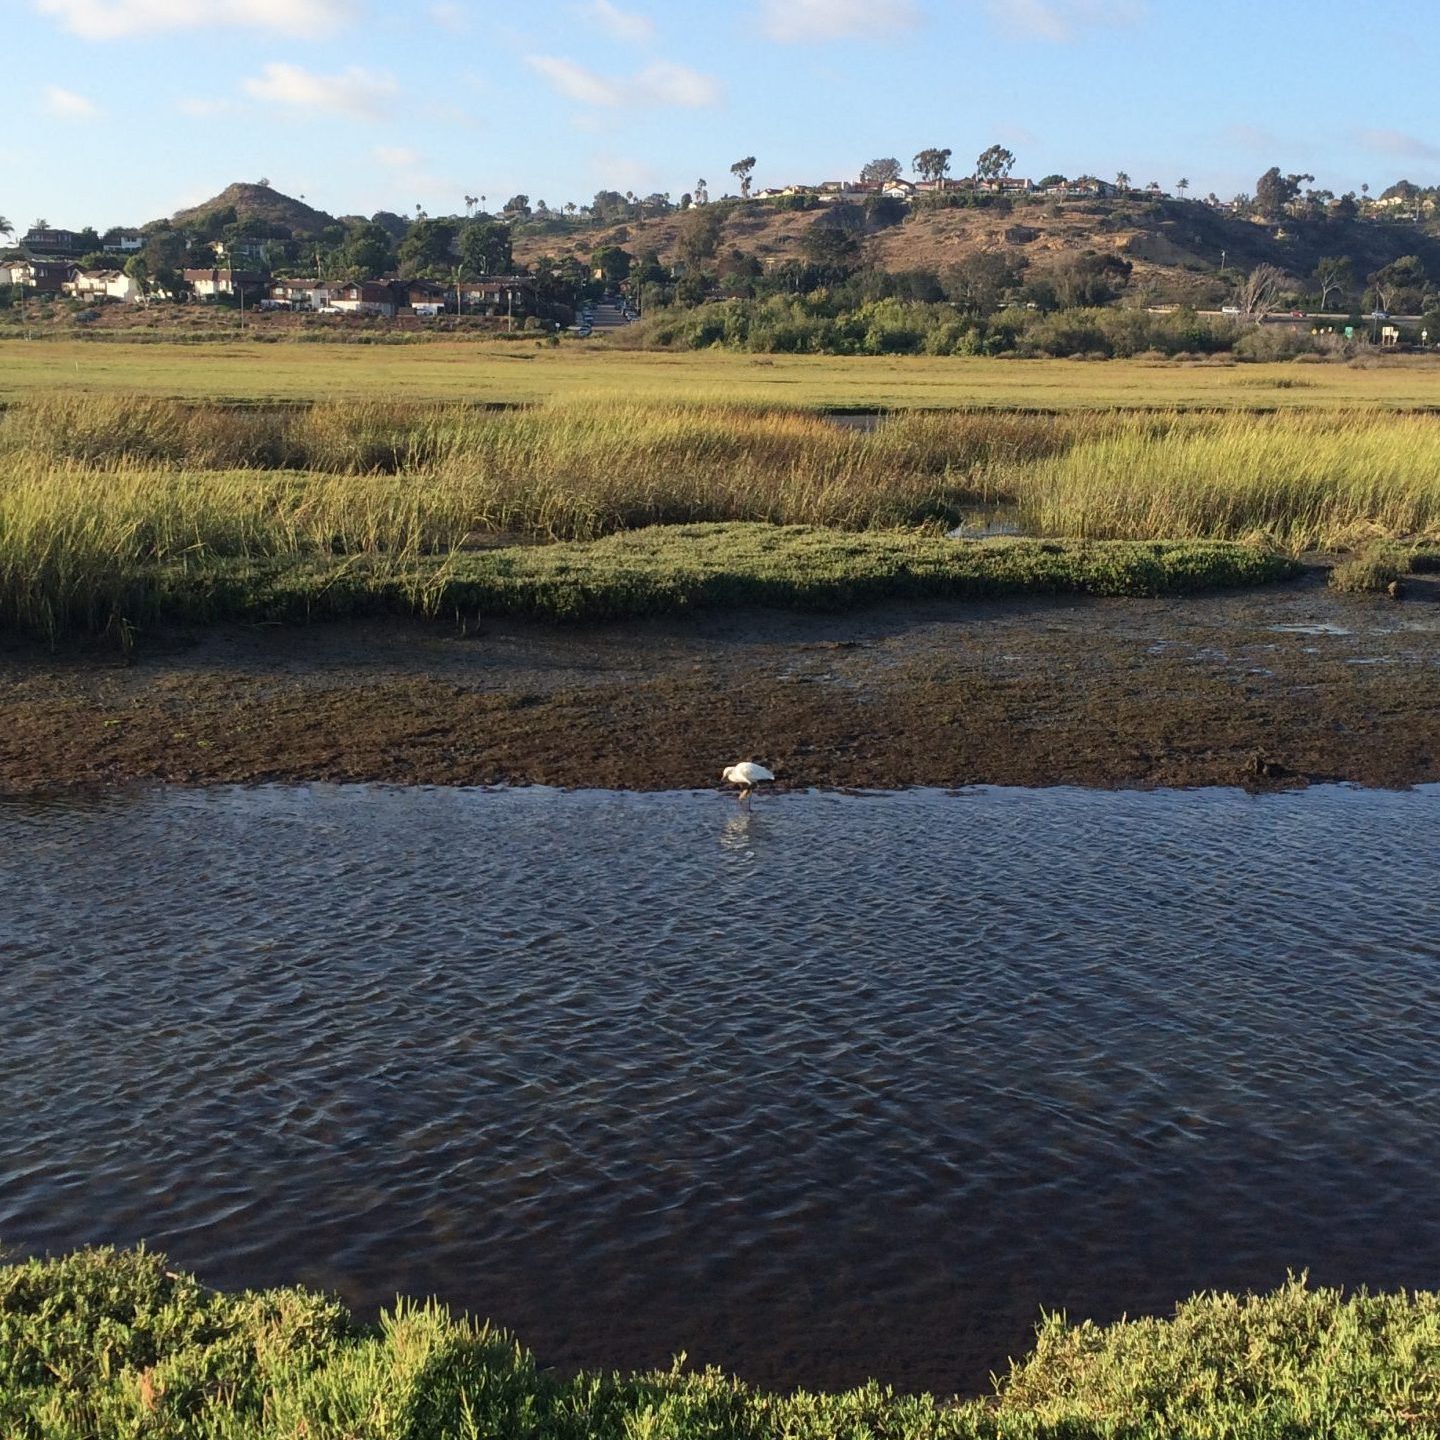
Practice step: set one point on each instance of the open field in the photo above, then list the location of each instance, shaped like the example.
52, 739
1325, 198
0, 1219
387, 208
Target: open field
107, 1344
524, 372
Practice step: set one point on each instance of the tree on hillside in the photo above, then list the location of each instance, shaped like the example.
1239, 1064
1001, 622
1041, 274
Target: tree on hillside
485, 248
369, 253
1181, 186
702, 193
1122, 181
1274, 191
832, 248
1259, 293
698, 235
994, 163
742, 171
395, 226
613, 263
608, 206
881, 171
427, 249
1088, 279
1405, 190
6, 228
1333, 275
1401, 286
981, 283
517, 205
931, 164
1050, 181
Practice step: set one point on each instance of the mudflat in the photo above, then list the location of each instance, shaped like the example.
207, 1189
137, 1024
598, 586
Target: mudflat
1286, 685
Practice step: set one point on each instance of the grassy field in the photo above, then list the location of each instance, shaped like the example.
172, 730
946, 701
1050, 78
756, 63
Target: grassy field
524, 372
103, 1344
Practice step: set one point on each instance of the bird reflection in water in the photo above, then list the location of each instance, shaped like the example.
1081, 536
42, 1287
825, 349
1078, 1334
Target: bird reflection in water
742, 830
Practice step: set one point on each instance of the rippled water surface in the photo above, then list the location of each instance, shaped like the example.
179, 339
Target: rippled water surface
845, 1085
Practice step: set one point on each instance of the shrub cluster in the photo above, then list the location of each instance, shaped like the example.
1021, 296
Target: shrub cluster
820, 323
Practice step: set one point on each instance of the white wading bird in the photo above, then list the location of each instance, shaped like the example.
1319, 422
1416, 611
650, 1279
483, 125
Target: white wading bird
746, 774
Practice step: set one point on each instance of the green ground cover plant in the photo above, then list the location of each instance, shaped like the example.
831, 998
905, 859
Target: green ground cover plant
630, 574
104, 1344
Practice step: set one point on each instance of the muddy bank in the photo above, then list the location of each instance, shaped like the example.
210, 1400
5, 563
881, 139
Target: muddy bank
1282, 686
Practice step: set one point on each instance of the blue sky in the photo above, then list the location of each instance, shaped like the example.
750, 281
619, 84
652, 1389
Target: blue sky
134, 108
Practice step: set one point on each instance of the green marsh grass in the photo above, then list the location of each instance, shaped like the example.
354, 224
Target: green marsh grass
1298, 482
99, 495
107, 1344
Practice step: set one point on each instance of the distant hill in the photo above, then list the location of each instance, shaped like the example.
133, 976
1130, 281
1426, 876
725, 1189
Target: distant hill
259, 202
1174, 246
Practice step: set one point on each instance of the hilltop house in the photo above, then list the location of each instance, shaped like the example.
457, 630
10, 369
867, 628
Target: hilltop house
41, 243
122, 242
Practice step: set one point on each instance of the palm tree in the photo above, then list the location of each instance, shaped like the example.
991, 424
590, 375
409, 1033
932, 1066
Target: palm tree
1182, 186
6, 228
1122, 181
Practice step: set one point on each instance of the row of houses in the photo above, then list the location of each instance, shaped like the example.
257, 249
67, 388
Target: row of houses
830, 191
42, 242
491, 294
387, 298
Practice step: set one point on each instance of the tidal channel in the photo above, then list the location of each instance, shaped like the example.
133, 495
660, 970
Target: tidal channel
836, 1087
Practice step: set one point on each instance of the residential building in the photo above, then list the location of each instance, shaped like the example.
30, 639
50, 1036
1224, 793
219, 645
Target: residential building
40, 243
45, 277
364, 297
122, 242
298, 294
104, 285
208, 284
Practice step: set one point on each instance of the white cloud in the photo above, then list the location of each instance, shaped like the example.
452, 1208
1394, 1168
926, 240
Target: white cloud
800, 21
357, 92
111, 19
1061, 20
1398, 144
664, 83
67, 105
449, 16
397, 157
659, 83
624, 25
575, 82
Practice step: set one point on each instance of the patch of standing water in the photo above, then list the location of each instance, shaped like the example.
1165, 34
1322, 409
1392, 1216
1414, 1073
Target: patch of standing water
832, 1087
988, 523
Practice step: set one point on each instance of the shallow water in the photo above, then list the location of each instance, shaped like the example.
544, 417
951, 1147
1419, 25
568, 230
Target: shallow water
846, 1085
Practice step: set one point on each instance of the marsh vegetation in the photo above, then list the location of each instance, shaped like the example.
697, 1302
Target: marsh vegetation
115, 510
105, 1343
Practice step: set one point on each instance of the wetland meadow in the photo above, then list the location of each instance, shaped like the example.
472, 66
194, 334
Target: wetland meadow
1139, 965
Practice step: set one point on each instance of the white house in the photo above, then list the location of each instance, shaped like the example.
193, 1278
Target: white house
123, 242
104, 285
